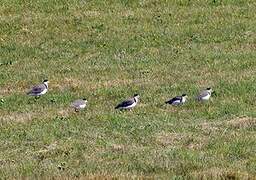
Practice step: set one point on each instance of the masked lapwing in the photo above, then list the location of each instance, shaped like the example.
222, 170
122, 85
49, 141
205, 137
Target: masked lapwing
79, 104
178, 100
39, 89
129, 103
205, 94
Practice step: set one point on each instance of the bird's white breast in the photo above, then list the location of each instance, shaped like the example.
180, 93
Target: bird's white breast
43, 92
183, 100
206, 97
131, 106
177, 102
82, 106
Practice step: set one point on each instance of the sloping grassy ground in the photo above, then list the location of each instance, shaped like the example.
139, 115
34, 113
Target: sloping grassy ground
108, 50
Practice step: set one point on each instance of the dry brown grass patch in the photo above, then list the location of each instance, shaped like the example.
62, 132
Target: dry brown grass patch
48, 148
198, 143
118, 147
166, 139
13, 88
126, 13
65, 112
87, 13
23, 117
242, 122
102, 176
18, 117
217, 173
114, 83
182, 139
72, 83
209, 127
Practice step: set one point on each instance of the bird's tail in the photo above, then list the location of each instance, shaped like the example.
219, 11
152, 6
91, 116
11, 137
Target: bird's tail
117, 107
168, 102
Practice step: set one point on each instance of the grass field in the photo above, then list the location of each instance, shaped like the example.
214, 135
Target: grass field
107, 51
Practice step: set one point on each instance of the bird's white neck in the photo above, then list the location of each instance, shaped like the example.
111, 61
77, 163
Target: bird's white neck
209, 92
46, 84
136, 99
184, 99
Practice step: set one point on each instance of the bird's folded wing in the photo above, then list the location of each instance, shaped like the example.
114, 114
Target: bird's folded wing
38, 88
203, 94
77, 103
126, 103
177, 98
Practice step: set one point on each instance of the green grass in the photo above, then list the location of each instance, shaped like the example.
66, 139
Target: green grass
108, 50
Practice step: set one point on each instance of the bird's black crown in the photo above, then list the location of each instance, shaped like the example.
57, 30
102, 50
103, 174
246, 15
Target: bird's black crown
135, 95
184, 95
46, 80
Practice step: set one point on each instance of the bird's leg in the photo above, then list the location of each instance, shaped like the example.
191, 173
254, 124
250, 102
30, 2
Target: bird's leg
36, 98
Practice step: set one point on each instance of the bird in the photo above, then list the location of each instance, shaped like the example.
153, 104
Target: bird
79, 104
178, 100
39, 90
129, 103
205, 94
